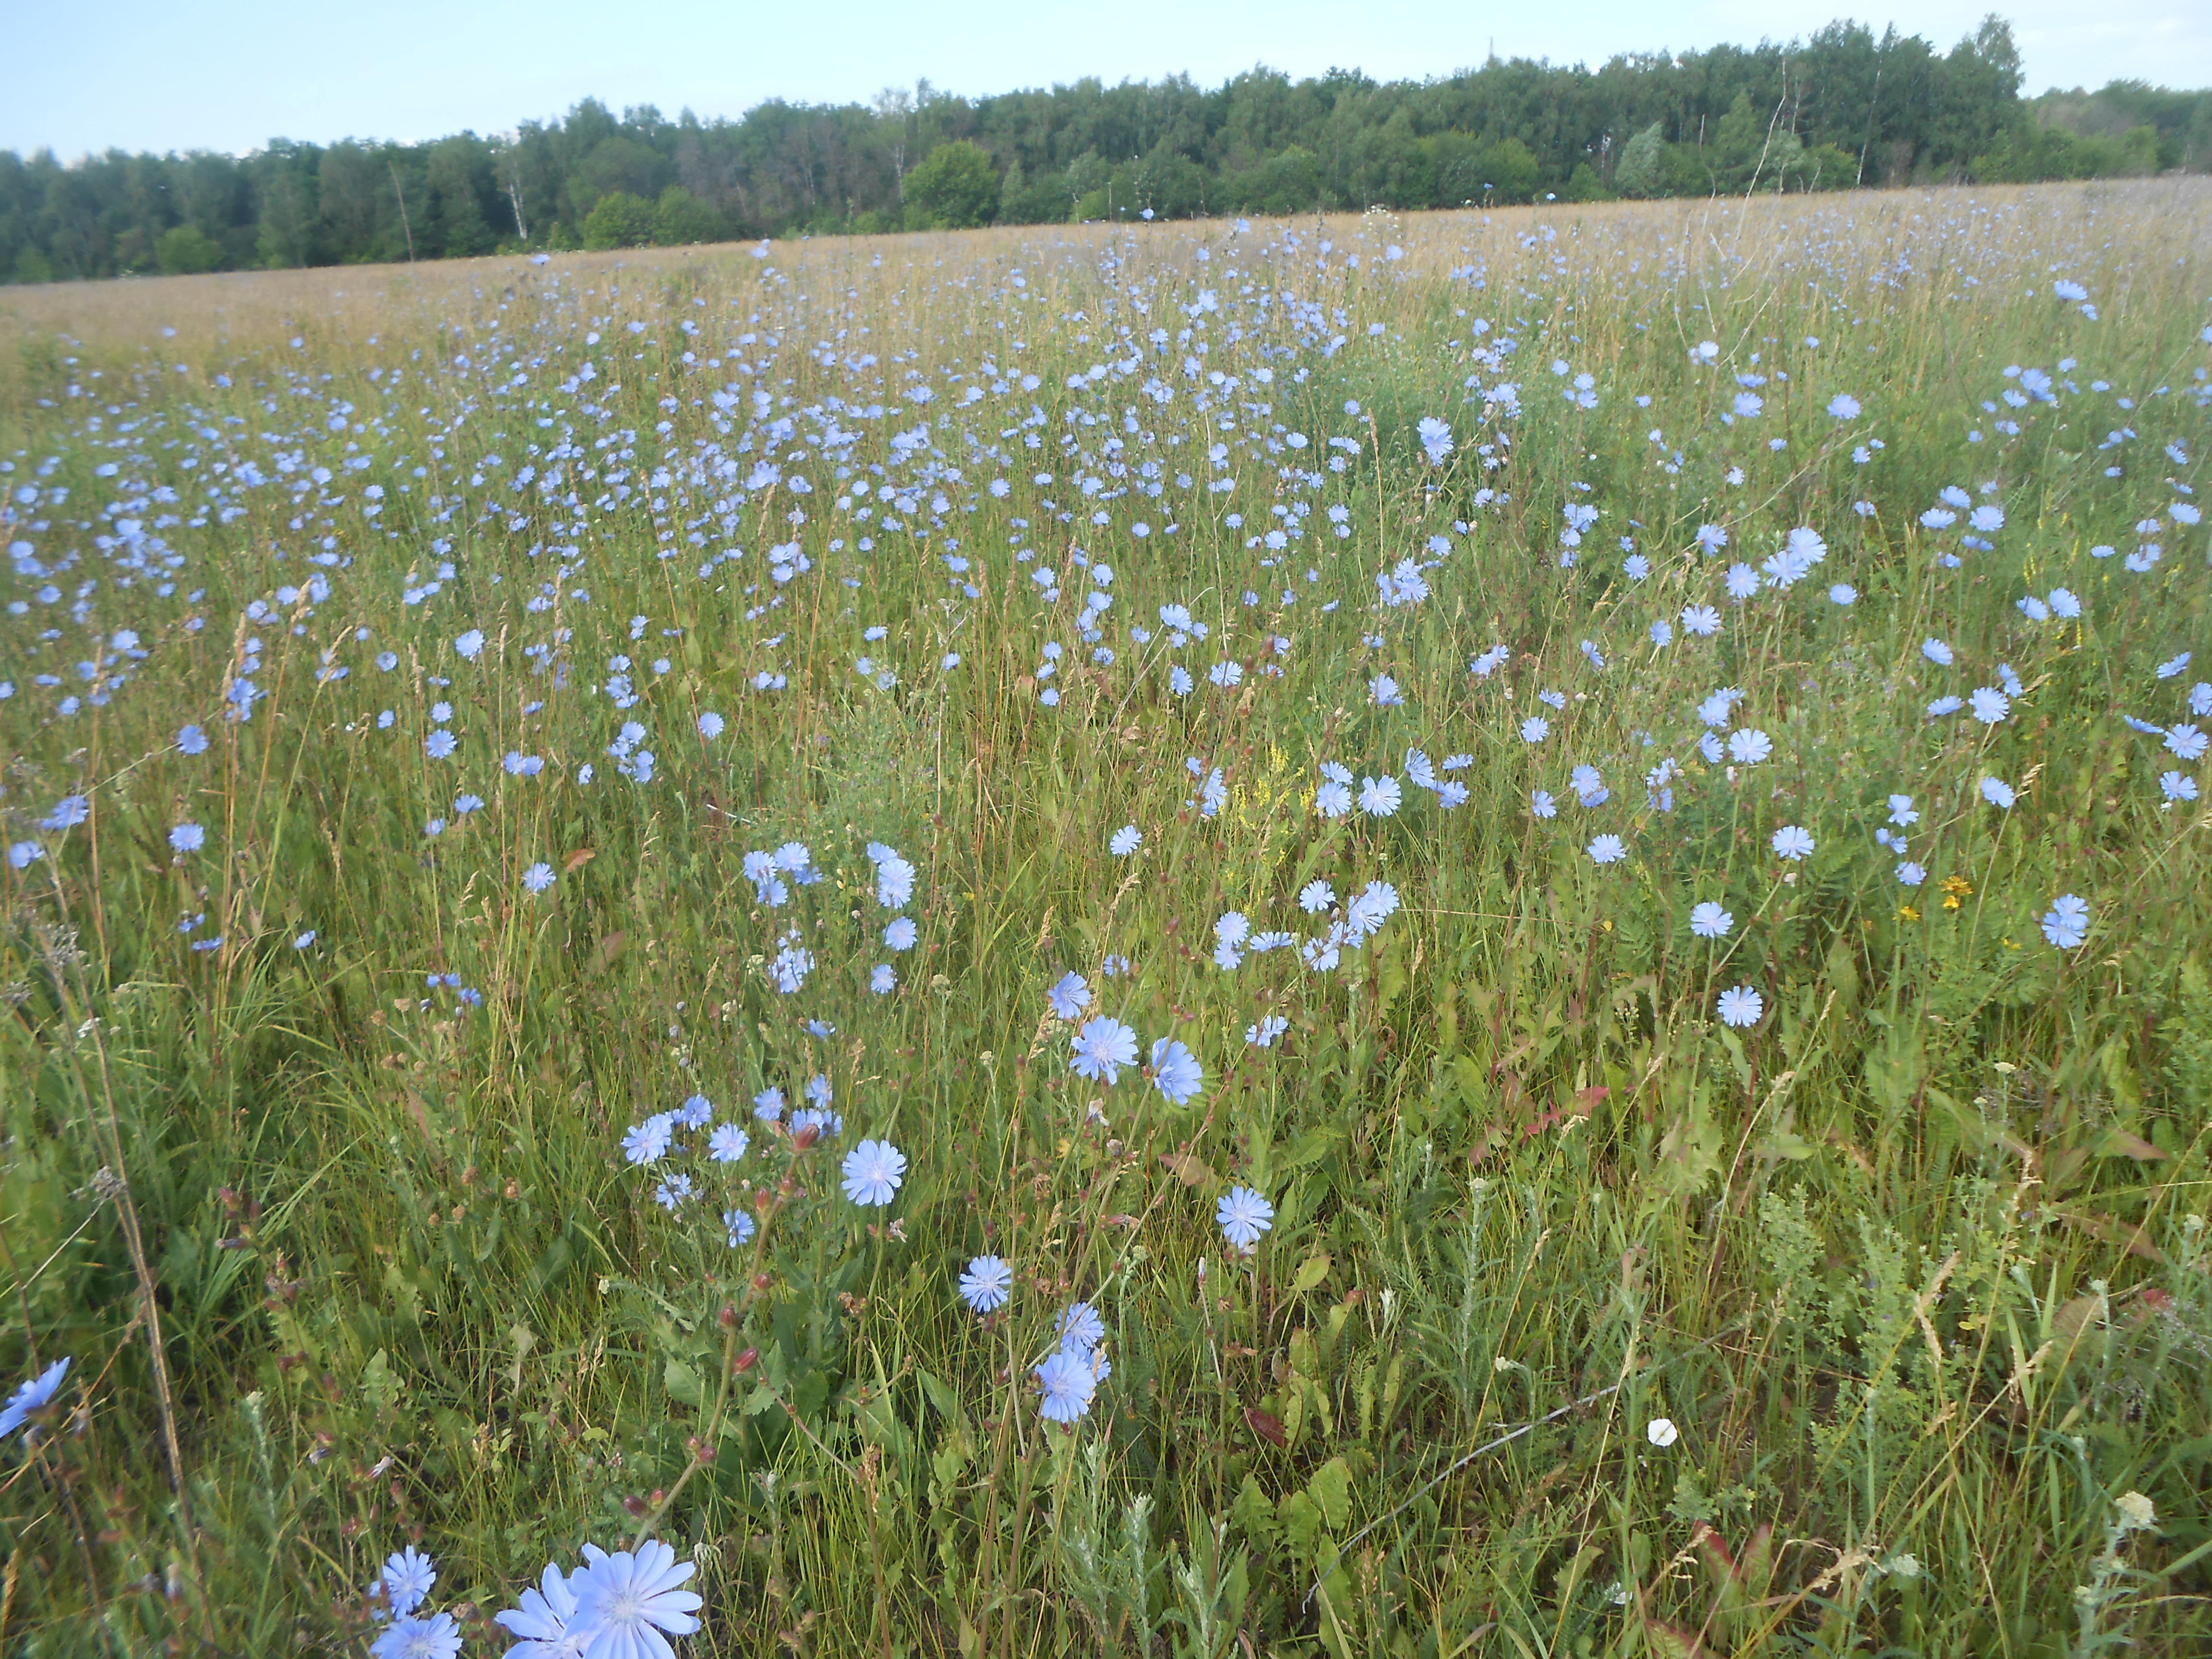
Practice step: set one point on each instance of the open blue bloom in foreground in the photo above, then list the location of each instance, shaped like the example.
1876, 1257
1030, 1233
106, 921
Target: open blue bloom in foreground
873, 1170
1126, 839
1709, 921
33, 1396
1998, 794
1380, 797
893, 877
1102, 1048
540, 1624
1080, 1327
2066, 924
1748, 746
416, 1637
407, 1577
1068, 1382
986, 1284
1175, 1071
1791, 842
1070, 996
646, 1141
627, 1605
537, 877
1741, 1005
1243, 1215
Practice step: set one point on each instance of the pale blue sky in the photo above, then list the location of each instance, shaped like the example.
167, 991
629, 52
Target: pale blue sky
231, 74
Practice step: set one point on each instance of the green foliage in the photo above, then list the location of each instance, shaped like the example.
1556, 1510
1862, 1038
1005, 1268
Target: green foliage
955, 187
680, 217
1039, 200
619, 164
2181, 121
621, 221
1586, 186
2025, 153
1284, 183
1512, 171
1642, 169
187, 250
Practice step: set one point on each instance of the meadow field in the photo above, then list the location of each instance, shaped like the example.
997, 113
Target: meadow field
1460, 934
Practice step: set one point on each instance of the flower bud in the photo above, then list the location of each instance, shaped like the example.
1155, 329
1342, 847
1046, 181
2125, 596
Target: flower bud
745, 1361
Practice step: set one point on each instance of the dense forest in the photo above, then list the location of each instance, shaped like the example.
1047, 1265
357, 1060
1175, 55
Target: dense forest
1843, 109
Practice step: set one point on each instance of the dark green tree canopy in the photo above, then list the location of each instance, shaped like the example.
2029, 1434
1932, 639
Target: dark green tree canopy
620, 219
1842, 107
955, 188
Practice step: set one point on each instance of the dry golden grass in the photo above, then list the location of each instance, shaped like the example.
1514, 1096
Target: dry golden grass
237, 313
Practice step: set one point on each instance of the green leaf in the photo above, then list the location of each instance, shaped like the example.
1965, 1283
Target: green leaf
1737, 1059
1300, 1519
378, 1385
1786, 1145
1254, 1515
1331, 1491
684, 1384
1191, 1171
1309, 1148
947, 1402
2116, 1142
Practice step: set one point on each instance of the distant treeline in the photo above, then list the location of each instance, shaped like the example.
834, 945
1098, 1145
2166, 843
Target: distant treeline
1845, 108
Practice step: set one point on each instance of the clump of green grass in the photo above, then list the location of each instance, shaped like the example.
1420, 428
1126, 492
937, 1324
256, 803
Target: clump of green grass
1585, 1321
